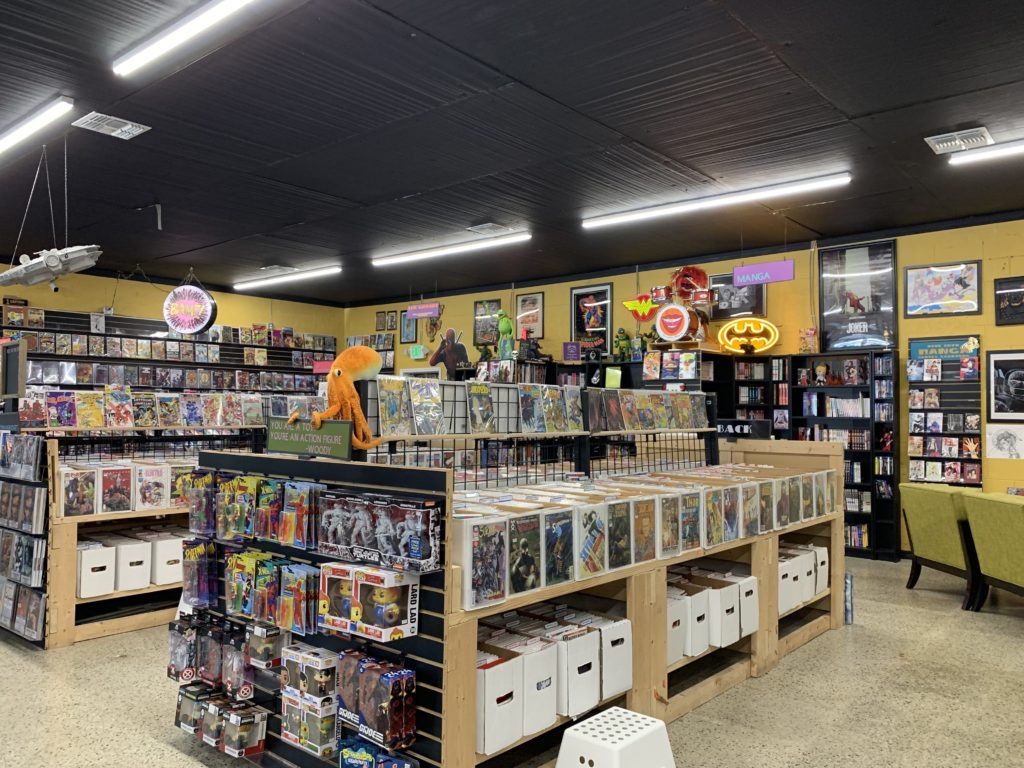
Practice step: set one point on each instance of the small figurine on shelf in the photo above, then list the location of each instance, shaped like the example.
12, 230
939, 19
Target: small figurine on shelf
486, 355
622, 346
506, 342
821, 374
885, 442
637, 347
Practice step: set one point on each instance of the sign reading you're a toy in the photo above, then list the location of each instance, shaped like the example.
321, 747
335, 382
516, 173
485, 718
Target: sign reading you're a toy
333, 439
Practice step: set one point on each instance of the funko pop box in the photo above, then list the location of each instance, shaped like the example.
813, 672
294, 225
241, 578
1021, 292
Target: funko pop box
384, 605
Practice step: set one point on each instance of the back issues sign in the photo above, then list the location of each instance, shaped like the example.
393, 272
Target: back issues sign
858, 297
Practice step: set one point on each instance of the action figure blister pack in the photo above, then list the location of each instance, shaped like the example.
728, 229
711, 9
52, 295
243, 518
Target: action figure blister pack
183, 647
236, 672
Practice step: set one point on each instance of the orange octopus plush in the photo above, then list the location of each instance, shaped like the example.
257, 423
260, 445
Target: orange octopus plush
353, 364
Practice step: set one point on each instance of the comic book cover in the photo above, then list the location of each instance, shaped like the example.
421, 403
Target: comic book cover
731, 513
177, 378
64, 344
698, 410
32, 409
84, 373
168, 409
152, 486
427, 410
145, 376
558, 547
591, 540
661, 411
670, 364
750, 504
113, 346
144, 348
172, 349
131, 375
690, 513
15, 316
652, 366
573, 408
612, 410
144, 409
795, 503
60, 408
245, 335
91, 411
47, 343
252, 410
531, 408
714, 524
78, 491
79, 344
393, 406
645, 530
630, 412
620, 534
260, 336
644, 410
118, 402
180, 483
595, 411
554, 408
159, 349
35, 317
525, 558
481, 411
669, 542
821, 506
116, 375
188, 351
115, 484
259, 356
129, 348
231, 411
213, 406
806, 497
191, 405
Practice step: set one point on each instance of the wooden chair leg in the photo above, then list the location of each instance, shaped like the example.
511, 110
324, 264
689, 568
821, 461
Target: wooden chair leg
915, 572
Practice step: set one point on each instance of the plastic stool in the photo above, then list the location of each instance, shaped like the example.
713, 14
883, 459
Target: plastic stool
616, 738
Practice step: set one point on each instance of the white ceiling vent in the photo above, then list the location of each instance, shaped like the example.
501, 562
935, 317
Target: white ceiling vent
958, 141
110, 126
488, 228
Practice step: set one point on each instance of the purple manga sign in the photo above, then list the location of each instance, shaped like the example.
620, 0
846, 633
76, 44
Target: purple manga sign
768, 272
423, 311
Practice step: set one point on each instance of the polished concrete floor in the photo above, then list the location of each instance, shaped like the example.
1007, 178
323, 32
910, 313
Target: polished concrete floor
914, 682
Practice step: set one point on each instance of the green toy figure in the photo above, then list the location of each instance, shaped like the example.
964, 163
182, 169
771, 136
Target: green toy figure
506, 343
485, 353
622, 346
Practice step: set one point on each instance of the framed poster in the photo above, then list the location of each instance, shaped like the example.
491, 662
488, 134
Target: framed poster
1009, 301
379, 325
1006, 386
392, 320
485, 322
530, 314
1004, 441
858, 297
591, 323
750, 300
942, 290
409, 328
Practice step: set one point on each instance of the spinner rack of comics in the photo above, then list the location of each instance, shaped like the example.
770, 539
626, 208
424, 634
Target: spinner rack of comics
426, 653
509, 455
71, 619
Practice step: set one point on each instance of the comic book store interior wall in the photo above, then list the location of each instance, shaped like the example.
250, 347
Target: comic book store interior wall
790, 305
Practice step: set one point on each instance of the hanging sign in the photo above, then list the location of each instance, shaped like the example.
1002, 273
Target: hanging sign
188, 309
768, 272
747, 335
333, 439
423, 310
945, 348
642, 307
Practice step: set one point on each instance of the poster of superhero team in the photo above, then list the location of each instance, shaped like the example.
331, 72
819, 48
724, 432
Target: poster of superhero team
858, 297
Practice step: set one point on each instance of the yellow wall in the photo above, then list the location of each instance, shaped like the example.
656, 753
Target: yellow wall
136, 298
791, 305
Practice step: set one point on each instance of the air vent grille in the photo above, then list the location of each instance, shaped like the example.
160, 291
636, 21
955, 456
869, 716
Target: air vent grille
110, 126
488, 228
958, 141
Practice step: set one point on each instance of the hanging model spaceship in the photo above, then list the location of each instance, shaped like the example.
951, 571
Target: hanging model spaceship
50, 264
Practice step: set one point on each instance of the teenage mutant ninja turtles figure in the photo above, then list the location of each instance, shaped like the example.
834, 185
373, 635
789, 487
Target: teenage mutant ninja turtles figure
621, 345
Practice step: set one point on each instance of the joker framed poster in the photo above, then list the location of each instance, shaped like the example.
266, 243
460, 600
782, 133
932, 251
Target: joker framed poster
858, 297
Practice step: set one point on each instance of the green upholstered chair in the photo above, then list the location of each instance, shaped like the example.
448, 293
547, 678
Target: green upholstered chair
939, 535
997, 525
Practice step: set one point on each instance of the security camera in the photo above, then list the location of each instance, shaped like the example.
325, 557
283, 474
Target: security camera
54, 287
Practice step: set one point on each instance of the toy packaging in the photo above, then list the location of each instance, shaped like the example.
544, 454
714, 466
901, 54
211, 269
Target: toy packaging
202, 517
384, 605
213, 723
378, 698
183, 648
264, 645
291, 670
298, 603
191, 702
356, 753
244, 732
210, 654
236, 672
318, 680
300, 725
337, 597
348, 685
199, 573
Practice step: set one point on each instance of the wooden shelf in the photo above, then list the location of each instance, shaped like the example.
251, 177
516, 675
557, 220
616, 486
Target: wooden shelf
809, 603
130, 593
137, 621
181, 428
669, 431
687, 660
114, 516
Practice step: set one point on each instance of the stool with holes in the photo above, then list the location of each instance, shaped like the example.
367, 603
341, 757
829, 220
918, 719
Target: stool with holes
616, 738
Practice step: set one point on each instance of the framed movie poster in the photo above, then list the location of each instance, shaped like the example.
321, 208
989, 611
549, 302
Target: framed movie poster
530, 314
485, 322
381, 322
1006, 385
408, 331
945, 289
746, 301
392, 320
858, 297
591, 308
1010, 301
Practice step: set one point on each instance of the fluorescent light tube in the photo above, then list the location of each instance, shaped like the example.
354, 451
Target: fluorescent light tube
291, 277
36, 122
718, 201
991, 152
451, 250
180, 32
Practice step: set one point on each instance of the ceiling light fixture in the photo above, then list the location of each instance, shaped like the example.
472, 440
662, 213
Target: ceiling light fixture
451, 250
718, 201
177, 34
992, 152
287, 278
36, 122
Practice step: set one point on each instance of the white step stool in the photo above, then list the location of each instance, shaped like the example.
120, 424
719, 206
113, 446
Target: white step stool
616, 738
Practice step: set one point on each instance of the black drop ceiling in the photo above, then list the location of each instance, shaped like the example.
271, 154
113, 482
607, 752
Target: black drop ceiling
326, 131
